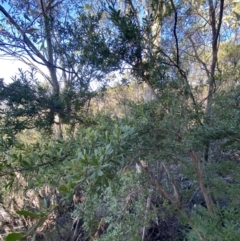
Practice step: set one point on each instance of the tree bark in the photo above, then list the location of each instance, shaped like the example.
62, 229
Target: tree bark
51, 66
212, 84
57, 128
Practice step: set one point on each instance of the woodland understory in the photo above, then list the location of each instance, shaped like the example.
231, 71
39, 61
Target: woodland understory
125, 124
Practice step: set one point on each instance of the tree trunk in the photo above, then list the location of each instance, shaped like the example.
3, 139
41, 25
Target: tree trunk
215, 35
57, 127
51, 67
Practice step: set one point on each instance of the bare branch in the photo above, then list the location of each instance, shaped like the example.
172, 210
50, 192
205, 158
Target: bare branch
175, 31
26, 39
200, 180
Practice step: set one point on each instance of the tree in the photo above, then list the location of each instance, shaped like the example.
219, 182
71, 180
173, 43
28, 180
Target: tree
155, 59
46, 33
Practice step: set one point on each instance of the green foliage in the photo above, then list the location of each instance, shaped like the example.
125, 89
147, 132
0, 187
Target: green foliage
25, 105
222, 226
144, 175
28, 214
92, 154
14, 237
100, 160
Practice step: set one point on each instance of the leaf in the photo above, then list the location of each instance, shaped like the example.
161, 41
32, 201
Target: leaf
109, 150
105, 165
237, 15
94, 161
31, 30
14, 237
99, 172
20, 157
25, 164
63, 188
28, 214
93, 175
101, 159
45, 203
26, 16
36, 225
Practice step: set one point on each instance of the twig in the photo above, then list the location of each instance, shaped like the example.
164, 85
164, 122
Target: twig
160, 187
192, 197
101, 226
145, 217
176, 193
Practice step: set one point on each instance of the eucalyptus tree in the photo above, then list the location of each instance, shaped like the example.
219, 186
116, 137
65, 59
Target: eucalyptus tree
46, 33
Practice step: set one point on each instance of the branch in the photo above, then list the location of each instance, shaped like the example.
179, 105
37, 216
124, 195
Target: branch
160, 187
184, 75
175, 191
198, 58
26, 39
31, 46
35, 167
200, 181
219, 22
175, 31
145, 217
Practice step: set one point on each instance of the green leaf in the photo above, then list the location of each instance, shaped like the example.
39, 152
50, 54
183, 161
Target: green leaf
28, 214
25, 163
14, 237
101, 159
14, 155
99, 172
63, 188
45, 203
94, 161
105, 165
93, 175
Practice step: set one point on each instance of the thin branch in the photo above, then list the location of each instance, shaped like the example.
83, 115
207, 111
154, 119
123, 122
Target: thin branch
145, 217
35, 167
175, 190
160, 187
198, 58
200, 180
219, 22
26, 39
31, 46
175, 31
